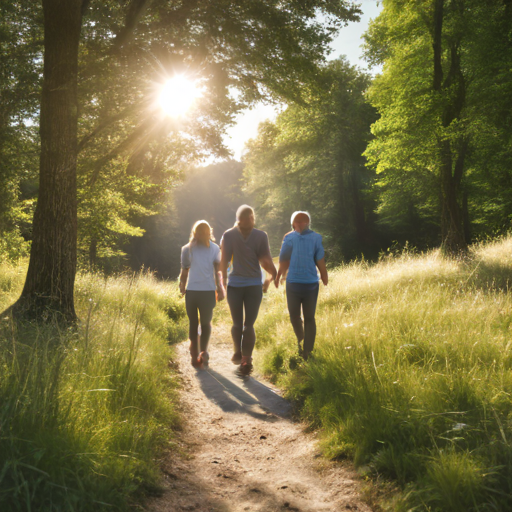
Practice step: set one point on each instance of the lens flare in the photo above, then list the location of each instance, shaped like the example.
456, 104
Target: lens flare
178, 95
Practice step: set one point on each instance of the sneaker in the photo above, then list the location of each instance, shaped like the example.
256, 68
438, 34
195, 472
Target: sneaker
237, 358
203, 359
245, 367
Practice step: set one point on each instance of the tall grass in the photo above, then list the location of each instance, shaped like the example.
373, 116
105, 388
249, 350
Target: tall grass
412, 374
84, 413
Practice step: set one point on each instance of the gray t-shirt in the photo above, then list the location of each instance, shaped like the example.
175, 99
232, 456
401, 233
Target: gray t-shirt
246, 254
200, 260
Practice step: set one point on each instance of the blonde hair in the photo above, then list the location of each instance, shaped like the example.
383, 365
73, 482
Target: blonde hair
195, 227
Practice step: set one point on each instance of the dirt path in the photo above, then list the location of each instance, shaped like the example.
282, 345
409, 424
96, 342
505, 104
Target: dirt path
246, 452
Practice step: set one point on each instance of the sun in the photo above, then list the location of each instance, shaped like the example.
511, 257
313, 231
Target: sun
177, 96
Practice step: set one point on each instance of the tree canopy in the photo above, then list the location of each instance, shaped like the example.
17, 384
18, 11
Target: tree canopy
103, 64
444, 102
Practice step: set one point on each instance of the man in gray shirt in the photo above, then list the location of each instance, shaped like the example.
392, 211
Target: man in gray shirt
246, 248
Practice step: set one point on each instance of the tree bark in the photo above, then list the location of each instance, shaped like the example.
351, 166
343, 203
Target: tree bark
49, 286
451, 173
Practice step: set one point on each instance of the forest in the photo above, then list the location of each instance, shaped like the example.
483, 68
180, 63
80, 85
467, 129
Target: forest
417, 154
99, 183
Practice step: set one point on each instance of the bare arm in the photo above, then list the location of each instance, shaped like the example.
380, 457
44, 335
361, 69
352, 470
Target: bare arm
224, 263
323, 271
221, 291
283, 268
183, 280
267, 263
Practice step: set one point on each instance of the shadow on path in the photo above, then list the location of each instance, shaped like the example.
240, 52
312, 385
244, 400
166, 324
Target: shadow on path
256, 399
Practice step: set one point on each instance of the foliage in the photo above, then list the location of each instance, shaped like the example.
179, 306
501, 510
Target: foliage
442, 143
310, 159
412, 373
86, 415
239, 53
19, 86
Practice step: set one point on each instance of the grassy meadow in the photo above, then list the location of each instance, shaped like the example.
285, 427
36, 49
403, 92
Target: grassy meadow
85, 414
412, 375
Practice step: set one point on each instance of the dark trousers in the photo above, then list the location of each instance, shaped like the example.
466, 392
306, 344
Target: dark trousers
244, 299
201, 302
299, 295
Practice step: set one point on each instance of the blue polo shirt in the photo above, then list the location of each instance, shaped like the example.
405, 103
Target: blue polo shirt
303, 250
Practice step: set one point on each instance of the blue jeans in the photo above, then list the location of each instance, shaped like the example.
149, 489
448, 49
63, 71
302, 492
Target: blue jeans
305, 296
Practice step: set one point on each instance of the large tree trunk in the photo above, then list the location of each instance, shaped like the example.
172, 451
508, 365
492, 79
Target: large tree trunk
451, 162
452, 231
49, 286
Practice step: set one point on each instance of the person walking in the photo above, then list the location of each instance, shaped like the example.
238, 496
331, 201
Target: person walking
301, 254
245, 247
200, 281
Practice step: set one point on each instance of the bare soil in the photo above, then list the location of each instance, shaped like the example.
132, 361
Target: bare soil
245, 452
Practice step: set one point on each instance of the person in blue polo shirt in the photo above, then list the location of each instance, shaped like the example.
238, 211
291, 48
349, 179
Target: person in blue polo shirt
301, 254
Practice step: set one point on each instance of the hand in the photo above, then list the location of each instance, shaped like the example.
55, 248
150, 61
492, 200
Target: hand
276, 282
221, 293
182, 288
266, 284
325, 280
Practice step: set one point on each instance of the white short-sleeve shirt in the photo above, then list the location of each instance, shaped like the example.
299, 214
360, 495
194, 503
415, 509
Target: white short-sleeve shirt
200, 259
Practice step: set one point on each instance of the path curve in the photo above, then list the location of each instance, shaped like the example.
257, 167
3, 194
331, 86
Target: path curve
246, 453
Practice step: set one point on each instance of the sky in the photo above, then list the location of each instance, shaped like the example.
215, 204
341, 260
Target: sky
347, 43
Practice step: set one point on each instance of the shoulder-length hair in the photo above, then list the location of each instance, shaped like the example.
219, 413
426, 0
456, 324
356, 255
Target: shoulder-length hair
193, 233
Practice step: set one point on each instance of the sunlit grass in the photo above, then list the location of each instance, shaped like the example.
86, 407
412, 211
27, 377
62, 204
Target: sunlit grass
412, 377
84, 414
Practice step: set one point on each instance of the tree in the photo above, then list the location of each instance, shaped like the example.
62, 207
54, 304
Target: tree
435, 94
311, 158
51, 273
255, 46
20, 44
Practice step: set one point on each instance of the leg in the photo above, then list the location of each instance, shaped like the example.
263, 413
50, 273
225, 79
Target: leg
252, 301
206, 305
294, 301
309, 309
236, 307
193, 323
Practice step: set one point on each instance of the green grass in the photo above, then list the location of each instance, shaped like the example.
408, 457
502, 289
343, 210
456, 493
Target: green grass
412, 375
85, 415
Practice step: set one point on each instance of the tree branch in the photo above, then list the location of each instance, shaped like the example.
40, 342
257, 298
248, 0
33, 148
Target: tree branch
135, 12
437, 44
107, 122
141, 132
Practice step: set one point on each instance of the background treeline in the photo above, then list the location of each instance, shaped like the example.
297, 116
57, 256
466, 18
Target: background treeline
420, 153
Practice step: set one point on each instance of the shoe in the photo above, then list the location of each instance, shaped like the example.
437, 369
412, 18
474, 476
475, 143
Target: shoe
245, 367
203, 359
237, 358
194, 355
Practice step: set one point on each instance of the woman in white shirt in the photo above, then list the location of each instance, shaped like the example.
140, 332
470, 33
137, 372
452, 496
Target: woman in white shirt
200, 260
